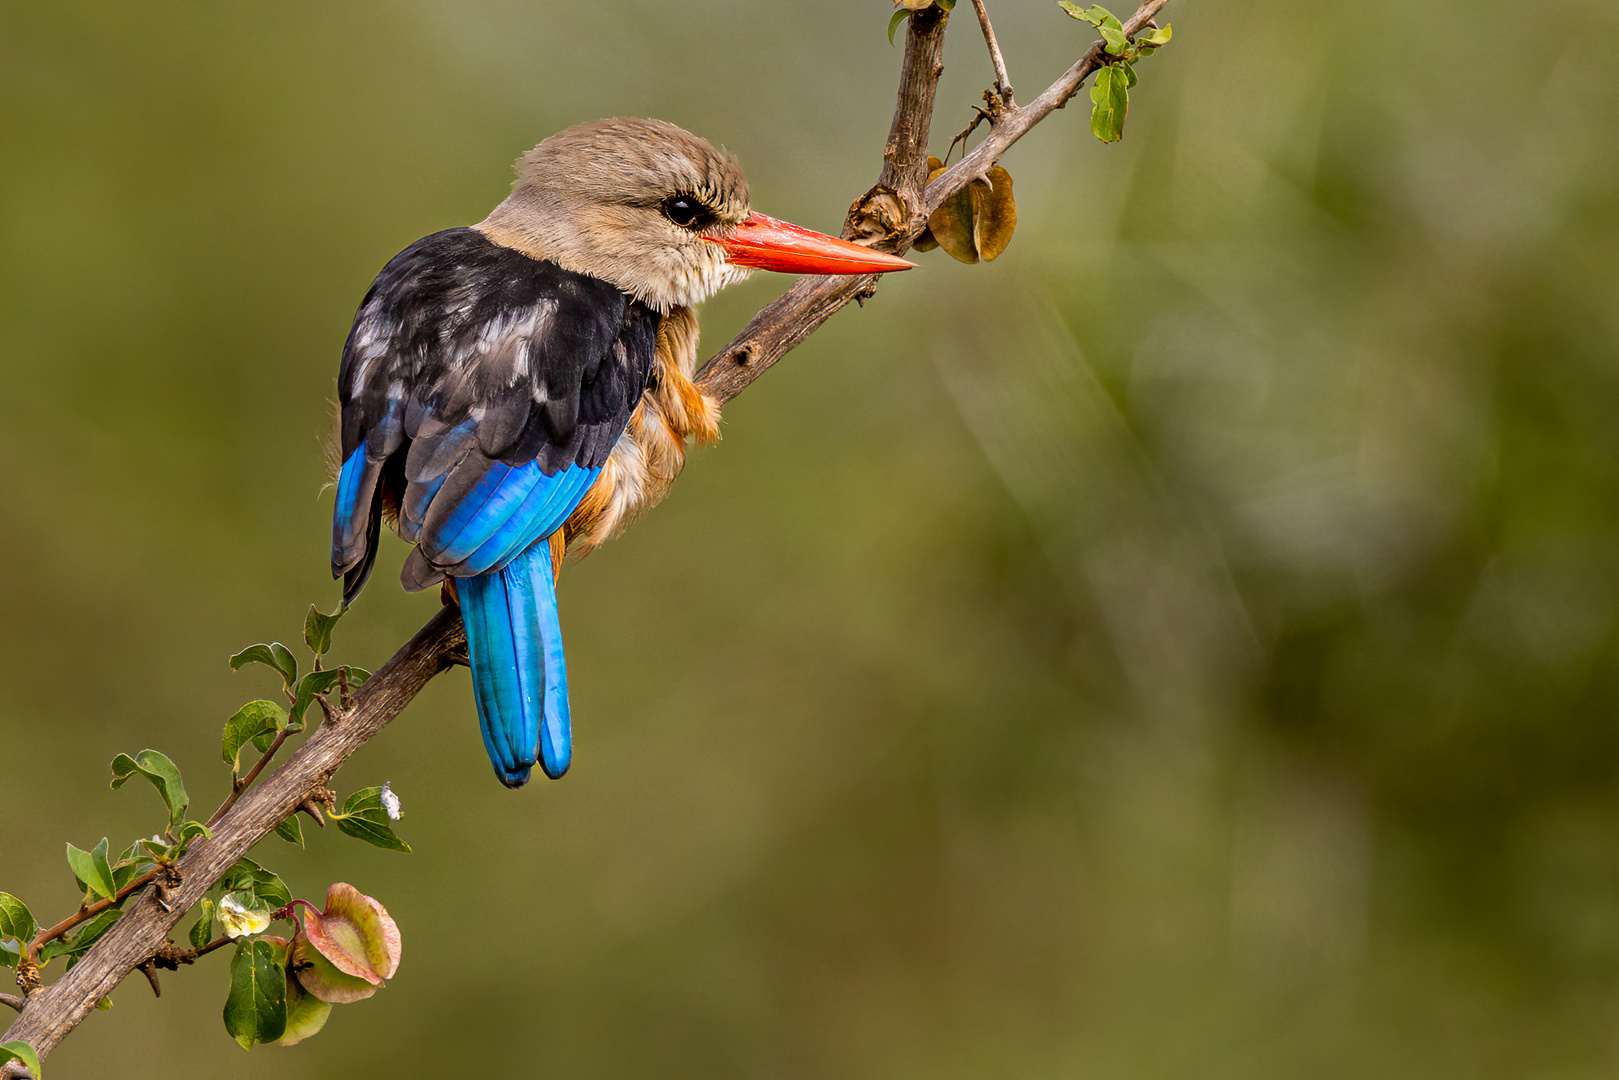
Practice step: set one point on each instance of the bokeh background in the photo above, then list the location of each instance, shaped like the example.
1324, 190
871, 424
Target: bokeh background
1184, 647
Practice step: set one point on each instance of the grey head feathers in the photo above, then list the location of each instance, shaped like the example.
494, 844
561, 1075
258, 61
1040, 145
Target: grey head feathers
595, 200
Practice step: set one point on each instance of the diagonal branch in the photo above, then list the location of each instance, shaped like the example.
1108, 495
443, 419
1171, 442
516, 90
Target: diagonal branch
54, 1010
793, 316
891, 215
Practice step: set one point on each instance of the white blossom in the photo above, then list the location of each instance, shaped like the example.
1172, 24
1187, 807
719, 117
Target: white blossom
241, 915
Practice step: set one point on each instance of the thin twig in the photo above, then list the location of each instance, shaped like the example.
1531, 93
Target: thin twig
1013, 124
1003, 84
13, 1000
87, 912
241, 785
797, 313
219, 942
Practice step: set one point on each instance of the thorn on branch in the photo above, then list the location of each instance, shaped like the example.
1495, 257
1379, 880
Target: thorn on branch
148, 969
310, 807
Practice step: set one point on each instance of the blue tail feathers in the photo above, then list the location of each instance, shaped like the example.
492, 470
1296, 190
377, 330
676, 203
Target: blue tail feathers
519, 678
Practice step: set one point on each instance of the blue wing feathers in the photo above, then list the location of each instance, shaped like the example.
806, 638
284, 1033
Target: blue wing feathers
547, 506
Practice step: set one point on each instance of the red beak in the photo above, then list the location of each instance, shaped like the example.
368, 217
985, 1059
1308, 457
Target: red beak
764, 243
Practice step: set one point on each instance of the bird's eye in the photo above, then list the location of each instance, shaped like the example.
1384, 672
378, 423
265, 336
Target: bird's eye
685, 211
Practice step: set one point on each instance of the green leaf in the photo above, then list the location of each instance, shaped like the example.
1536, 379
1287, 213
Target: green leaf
316, 682
291, 831
189, 831
256, 1008
91, 868
1115, 41
365, 818
153, 850
10, 953
16, 1048
88, 935
318, 629
163, 774
1097, 15
357, 675
122, 874
306, 1014
1157, 37
16, 921
1110, 100
893, 24
249, 722
274, 655
202, 932
249, 876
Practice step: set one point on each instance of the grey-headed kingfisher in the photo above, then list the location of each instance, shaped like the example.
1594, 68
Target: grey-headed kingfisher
523, 386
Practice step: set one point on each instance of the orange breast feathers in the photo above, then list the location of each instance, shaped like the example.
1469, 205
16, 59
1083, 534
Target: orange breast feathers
652, 450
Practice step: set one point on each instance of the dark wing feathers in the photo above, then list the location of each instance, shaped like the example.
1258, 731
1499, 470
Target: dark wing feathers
483, 375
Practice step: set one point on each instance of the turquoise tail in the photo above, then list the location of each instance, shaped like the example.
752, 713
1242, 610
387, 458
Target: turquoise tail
519, 677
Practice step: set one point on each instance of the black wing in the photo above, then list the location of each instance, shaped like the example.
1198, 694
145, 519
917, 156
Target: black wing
481, 392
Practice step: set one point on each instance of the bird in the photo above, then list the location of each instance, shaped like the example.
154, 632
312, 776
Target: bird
521, 388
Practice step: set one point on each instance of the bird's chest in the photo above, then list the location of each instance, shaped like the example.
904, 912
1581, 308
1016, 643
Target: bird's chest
650, 454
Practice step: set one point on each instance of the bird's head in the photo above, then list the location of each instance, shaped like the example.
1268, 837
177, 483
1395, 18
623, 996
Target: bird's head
659, 213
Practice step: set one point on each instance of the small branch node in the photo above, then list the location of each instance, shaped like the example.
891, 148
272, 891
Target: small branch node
170, 956
168, 878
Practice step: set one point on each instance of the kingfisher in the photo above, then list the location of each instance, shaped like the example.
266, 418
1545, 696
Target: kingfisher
523, 387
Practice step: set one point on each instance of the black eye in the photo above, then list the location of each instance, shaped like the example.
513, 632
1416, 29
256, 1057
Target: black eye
685, 211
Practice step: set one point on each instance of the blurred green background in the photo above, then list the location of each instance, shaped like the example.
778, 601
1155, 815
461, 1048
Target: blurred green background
1185, 647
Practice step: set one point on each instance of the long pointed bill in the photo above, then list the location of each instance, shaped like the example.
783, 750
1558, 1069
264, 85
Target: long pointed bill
763, 243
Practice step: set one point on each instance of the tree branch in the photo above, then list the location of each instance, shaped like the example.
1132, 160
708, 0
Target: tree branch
1003, 82
891, 215
793, 316
56, 1009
